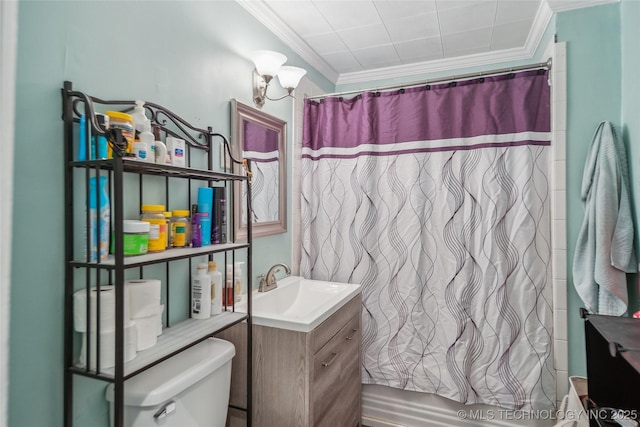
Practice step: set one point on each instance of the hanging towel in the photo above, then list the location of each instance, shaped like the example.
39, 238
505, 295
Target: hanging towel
605, 250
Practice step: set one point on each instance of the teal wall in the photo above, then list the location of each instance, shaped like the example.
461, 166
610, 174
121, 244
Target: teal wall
596, 65
191, 57
194, 60
630, 17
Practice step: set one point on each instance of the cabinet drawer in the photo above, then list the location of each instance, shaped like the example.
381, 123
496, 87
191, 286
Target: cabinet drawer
336, 377
327, 329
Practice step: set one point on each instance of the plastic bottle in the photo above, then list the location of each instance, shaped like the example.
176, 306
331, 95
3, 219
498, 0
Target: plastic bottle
201, 294
169, 215
181, 228
159, 148
234, 283
216, 288
153, 214
205, 202
139, 119
82, 140
99, 230
228, 287
99, 148
141, 151
149, 140
237, 284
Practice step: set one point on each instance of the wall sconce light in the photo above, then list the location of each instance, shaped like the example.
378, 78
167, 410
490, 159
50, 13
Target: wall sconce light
268, 65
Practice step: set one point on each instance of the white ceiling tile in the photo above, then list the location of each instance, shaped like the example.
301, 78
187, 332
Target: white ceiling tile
443, 5
326, 43
507, 36
392, 10
478, 15
419, 50
466, 40
413, 27
361, 37
516, 10
302, 16
343, 62
379, 56
467, 51
343, 15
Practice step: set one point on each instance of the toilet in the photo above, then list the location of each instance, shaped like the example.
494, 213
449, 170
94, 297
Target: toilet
189, 389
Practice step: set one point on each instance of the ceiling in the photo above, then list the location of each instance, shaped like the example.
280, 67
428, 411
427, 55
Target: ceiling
352, 41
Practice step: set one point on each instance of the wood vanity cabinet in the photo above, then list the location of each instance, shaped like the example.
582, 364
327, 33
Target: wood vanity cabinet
303, 379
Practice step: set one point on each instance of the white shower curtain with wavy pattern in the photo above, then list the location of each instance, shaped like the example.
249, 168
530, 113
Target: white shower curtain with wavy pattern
436, 201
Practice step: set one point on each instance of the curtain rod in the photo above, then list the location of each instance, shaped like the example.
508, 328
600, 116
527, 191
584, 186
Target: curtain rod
545, 65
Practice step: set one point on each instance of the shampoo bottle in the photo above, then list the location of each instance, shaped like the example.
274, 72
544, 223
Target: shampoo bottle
201, 294
216, 288
99, 218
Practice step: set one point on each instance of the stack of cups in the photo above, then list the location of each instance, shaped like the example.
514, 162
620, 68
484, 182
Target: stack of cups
107, 333
145, 310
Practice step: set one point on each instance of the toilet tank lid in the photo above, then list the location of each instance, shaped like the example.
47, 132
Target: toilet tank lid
167, 379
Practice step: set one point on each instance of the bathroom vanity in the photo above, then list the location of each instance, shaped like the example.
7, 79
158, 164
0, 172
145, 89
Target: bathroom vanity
303, 378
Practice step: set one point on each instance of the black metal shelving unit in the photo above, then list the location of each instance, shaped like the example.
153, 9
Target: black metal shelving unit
176, 337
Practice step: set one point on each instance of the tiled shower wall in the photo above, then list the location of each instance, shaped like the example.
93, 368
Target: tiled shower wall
558, 203
559, 215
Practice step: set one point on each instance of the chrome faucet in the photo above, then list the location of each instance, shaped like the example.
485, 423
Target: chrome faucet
269, 282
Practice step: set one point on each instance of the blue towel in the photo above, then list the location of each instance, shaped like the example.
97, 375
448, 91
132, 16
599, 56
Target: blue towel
605, 251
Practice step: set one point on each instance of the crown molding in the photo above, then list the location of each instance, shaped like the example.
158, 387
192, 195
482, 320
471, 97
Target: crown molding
565, 5
269, 19
528, 51
264, 14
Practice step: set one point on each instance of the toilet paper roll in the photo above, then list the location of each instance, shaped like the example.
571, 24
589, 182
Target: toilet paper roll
108, 347
107, 309
144, 297
147, 330
159, 330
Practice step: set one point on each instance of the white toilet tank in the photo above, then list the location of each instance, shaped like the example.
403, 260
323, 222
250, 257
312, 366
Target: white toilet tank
190, 389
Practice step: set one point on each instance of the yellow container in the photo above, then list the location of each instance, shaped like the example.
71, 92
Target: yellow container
154, 215
181, 228
124, 122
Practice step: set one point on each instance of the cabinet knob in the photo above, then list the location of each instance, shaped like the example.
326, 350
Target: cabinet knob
350, 337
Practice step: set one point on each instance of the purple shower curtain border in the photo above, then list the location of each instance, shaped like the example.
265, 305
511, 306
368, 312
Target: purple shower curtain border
429, 150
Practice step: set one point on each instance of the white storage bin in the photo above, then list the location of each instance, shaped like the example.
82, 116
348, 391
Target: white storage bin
189, 389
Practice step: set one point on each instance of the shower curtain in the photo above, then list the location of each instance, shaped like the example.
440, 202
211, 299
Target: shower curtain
261, 147
436, 200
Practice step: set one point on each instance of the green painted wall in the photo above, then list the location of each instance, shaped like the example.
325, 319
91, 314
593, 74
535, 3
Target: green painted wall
596, 64
630, 17
191, 57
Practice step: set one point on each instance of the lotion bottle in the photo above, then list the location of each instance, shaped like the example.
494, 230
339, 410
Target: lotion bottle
201, 294
139, 119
